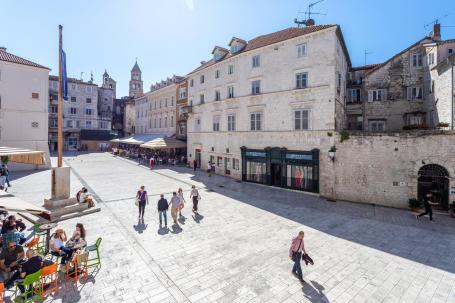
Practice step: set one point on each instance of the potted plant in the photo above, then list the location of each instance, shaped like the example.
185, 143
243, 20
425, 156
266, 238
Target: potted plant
414, 205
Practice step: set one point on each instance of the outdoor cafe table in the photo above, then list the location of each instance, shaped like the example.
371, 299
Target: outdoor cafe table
47, 227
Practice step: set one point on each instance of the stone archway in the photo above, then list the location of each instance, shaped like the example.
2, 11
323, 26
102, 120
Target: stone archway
434, 178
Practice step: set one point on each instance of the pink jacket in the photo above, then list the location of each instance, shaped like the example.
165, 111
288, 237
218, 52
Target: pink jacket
297, 245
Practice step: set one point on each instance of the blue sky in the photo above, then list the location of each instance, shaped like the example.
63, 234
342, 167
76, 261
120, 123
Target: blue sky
173, 36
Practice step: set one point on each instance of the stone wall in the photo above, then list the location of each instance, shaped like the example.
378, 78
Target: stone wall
382, 169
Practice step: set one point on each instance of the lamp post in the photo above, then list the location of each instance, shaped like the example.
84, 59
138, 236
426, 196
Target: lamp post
332, 152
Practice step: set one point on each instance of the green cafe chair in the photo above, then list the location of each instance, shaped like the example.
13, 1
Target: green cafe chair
32, 287
96, 260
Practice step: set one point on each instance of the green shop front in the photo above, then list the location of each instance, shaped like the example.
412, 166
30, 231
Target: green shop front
282, 168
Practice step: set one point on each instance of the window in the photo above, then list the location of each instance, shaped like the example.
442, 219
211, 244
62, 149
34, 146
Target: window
450, 51
301, 50
89, 100
217, 95
172, 121
376, 95
69, 123
182, 93
231, 123
216, 123
217, 74
414, 93
301, 80
201, 98
235, 48
235, 164
230, 69
301, 119
339, 80
73, 99
160, 123
35, 95
256, 61
53, 109
219, 161
172, 101
165, 122
191, 82
353, 95
230, 92
165, 102
416, 60
154, 123
256, 121
78, 124
376, 125
73, 87
88, 124
256, 87
430, 58
73, 110
88, 89
53, 122
202, 79
88, 111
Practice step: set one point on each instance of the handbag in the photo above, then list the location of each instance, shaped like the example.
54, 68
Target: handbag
198, 197
136, 202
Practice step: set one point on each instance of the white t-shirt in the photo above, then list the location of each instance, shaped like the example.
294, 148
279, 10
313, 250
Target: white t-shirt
175, 201
194, 193
56, 243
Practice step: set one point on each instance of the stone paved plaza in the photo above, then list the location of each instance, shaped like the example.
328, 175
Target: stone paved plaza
237, 249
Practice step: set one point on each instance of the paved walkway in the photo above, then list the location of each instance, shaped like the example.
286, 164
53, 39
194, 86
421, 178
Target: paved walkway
236, 251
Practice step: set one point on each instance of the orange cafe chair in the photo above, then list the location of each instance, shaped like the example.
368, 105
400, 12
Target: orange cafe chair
77, 268
2, 286
33, 244
49, 280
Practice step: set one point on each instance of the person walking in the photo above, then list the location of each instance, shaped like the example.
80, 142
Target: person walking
295, 254
427, 204
142, 199
182, 201
163, 206
194, 164
5, 167
175, 204
152, 162
195, 196
209, 168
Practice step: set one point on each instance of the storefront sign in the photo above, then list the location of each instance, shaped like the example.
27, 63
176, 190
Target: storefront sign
255, 154
299, 157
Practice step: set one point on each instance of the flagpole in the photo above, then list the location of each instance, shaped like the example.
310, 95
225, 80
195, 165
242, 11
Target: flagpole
60, 100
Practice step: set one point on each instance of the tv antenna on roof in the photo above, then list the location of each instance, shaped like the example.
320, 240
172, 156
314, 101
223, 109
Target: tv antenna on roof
308, 21
435, 21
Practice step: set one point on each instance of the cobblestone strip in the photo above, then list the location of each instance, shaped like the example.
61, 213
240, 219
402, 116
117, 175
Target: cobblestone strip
165, 280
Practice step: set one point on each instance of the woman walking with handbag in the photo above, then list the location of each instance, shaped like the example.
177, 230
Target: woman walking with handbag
295, 254
141, 200
195, 196
182, 201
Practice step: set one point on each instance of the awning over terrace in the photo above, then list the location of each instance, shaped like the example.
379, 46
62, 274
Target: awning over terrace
20, 155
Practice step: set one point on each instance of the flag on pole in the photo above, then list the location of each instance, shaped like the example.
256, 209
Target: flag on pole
64, 77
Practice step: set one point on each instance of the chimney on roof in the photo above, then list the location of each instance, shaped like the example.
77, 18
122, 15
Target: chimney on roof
436, 33
2, 49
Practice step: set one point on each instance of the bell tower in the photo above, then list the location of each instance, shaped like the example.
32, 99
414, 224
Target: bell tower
136, 84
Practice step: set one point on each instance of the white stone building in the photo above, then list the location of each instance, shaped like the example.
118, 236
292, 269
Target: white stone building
262, 110
156, 109
80, 111
24, 95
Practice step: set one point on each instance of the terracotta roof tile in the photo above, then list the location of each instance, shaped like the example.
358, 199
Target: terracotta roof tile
8, 57
269, 39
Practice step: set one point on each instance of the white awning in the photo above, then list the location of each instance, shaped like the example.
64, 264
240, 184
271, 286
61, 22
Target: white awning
20, 155
12, 203
141, 139
164, 143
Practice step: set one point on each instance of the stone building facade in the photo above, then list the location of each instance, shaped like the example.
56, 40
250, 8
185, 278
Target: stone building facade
80, 111
389, 169
106, 96
24, 95
182, 109
398, 94
259, 108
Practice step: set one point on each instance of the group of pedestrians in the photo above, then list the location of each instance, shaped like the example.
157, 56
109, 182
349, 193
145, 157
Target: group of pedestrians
176, 203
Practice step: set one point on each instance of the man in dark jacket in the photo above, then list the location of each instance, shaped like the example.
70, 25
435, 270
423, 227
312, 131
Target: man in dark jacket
427, 204
162, 210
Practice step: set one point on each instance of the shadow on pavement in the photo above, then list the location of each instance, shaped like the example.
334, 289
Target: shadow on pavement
197, 217
140, 227
314, 292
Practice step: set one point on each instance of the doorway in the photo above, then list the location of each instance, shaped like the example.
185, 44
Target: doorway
227, 166
434, 179
275, 174
198, 157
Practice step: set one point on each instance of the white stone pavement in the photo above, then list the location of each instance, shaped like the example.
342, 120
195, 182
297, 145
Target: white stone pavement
237, 250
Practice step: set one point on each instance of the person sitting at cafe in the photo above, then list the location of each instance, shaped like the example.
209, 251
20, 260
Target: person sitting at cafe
11, 220
57, 247
32, 265
13, 235
9, 258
